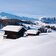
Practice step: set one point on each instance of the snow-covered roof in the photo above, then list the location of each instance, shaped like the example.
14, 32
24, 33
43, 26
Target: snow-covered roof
12, 28
31, 31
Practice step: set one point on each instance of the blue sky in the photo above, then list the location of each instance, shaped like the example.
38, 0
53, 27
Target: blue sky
29, 7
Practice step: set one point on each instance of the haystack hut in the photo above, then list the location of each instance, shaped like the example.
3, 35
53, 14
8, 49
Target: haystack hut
32, 32
13, 31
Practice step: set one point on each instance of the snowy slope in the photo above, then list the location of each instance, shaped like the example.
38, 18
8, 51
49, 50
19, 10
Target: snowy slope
43, 45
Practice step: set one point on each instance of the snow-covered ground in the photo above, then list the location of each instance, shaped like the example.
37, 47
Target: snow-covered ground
42, 45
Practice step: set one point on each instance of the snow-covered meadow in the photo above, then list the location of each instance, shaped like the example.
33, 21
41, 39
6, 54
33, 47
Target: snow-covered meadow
42, 45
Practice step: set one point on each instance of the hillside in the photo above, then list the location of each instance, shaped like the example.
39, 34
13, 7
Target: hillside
43, 45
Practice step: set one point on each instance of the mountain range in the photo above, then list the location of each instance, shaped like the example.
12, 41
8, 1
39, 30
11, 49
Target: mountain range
49, 20
4, 15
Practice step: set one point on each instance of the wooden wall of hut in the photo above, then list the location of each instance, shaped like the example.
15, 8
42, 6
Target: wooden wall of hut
15, 35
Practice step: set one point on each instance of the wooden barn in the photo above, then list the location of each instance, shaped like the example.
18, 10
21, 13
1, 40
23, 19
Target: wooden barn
32, 32
13, 32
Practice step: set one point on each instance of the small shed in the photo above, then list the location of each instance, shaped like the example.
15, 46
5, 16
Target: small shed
13, 31
32, 32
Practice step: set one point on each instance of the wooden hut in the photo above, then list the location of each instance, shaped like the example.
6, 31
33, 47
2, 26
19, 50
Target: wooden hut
32, 32
13, 32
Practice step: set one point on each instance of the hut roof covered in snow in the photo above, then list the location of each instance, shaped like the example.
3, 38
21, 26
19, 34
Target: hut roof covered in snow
12, 28
31, 31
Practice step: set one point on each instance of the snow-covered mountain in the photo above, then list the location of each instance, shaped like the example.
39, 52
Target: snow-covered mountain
11, 16
51, 20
